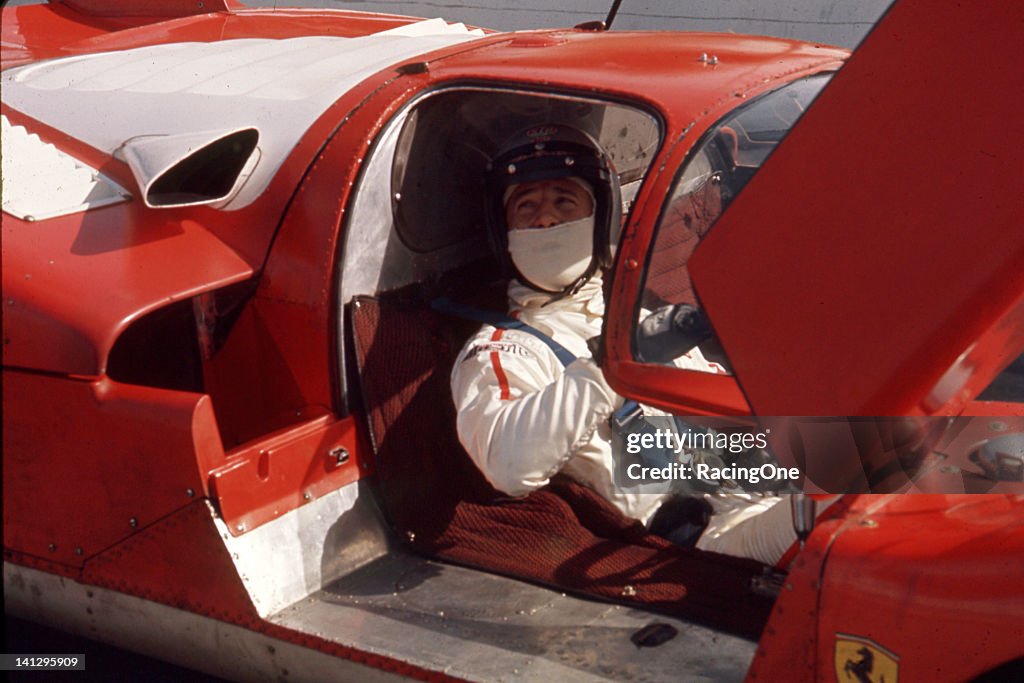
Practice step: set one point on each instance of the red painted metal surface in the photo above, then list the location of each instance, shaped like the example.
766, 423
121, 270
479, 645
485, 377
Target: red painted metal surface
786, 648
145, 258
119, 452
276, 368
679, 390
262, 481
873, 266
933, 579
667, 74
149, 565
135, 261
287, 364
281, 366
994, 408
151, 9
88, 464
293, 310
960, 559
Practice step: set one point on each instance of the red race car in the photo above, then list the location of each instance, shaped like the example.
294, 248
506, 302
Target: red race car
228, 435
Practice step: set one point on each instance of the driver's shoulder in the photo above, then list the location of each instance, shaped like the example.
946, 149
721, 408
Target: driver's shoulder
507, 343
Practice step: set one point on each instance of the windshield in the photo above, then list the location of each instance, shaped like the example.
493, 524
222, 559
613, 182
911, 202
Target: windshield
722, 163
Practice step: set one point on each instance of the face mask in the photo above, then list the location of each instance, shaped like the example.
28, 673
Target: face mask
553, 258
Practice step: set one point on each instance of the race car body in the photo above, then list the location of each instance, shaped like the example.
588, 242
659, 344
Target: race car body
226, 439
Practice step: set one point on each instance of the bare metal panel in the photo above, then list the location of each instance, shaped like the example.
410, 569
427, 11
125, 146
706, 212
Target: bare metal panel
298, 553
490, 628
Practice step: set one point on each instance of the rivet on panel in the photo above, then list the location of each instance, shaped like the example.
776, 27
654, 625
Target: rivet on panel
133, 522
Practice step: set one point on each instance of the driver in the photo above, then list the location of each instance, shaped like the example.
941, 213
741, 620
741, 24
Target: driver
524, 414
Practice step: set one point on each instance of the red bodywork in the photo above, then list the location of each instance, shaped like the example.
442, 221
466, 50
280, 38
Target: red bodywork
811, 288
102, 476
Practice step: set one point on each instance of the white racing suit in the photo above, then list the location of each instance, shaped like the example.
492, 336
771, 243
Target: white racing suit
523, 416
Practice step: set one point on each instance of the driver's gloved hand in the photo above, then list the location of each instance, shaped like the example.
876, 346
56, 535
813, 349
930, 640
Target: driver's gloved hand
671, 331
681, 519
596, 347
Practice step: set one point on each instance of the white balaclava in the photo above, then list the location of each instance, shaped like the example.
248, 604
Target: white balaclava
554, 258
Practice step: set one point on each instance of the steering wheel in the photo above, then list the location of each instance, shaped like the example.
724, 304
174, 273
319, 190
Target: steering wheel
671, 331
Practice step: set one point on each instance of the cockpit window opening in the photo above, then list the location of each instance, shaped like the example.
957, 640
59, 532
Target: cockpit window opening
720, 166
448, 138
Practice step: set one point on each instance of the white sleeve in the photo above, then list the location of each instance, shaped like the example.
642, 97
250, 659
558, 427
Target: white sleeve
752, 526
520, 414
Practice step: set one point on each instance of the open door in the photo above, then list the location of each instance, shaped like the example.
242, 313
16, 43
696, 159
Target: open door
874, 264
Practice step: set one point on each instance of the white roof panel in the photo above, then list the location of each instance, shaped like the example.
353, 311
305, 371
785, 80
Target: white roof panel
40, 181
279, 87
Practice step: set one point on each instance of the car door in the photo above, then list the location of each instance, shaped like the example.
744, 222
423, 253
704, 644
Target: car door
872, 267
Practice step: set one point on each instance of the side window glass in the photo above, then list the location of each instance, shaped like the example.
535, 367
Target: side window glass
1008, 385
671, 327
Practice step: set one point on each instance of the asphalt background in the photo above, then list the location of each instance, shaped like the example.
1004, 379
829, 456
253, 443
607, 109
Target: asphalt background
837, 22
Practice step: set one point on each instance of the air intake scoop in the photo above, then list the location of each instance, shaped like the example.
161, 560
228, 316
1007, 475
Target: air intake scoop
191, 169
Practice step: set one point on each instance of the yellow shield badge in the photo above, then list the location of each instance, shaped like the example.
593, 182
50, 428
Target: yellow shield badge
860, 660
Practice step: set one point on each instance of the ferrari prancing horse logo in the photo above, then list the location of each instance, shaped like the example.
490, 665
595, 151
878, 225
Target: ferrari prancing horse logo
859, 660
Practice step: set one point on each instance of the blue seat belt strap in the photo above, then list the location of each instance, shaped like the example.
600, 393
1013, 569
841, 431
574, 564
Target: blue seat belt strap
502, 320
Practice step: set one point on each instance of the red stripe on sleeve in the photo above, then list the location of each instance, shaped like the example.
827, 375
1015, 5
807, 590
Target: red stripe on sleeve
499, 372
